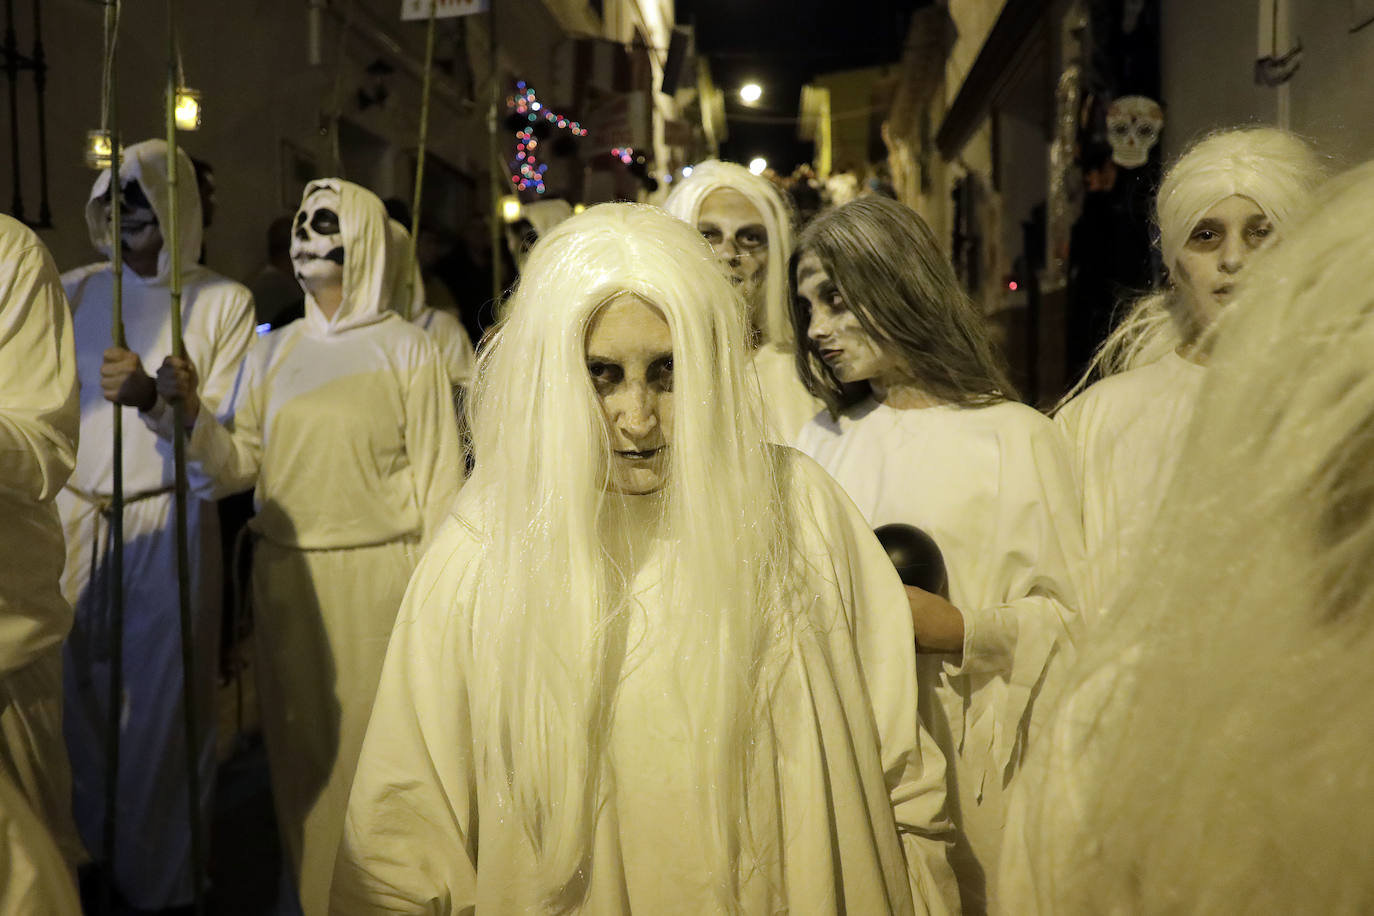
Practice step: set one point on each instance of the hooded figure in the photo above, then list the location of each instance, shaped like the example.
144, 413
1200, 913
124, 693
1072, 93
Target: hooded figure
34, 878
153, 858
663, 667
444, 328
749, 225
1230, 195
1211, 754
342, 421
39, 415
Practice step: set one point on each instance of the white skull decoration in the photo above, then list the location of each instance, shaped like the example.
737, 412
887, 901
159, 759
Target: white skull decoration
138, 226
1133, 126
316, 239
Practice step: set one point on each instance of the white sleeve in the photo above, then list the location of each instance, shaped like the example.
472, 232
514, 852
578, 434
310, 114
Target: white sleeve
39, 409
34, 878
436, 459
410, 834
1038, 543
227, 450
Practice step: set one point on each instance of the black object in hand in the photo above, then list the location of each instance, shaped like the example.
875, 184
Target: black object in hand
916, 556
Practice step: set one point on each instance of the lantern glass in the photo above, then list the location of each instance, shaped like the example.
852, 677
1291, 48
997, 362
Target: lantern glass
187, 110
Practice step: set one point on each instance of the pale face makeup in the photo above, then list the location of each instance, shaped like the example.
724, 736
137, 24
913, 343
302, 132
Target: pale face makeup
739, 236
1208, 268
139, 233
629, 353
834, 330
317, 251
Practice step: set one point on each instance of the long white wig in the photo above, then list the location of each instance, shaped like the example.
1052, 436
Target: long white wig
1272, 167
713, 175
552, 606
1233, 753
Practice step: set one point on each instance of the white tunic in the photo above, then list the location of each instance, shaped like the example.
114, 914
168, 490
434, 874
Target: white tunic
1125, 434
346, 429
152, 862
39, 417
455, 348
855, 788
992, 486
787, 405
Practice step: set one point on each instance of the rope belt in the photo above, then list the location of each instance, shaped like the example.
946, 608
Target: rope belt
104, 506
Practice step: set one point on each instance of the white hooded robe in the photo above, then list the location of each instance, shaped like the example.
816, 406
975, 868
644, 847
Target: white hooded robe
1124, 435
992, 486
853, 790
345, 427
39, 419
152, 861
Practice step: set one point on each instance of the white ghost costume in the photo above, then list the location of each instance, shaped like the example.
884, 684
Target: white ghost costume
444, 328
39, 419
700, 696
1124, 435
992, 486
153, 867
787, 405
34, 877
345, 428
848, 690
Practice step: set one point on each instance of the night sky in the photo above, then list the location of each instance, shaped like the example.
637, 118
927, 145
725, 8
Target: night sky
783, 44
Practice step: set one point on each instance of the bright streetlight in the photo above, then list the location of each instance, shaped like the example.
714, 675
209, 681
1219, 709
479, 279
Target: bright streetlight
757, 165
751, 93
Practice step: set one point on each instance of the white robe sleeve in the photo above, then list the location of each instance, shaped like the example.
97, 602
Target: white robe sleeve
34, 878
227, 450
39, 419
1038, 538
410, 835
436, 459
880, 621
454, 345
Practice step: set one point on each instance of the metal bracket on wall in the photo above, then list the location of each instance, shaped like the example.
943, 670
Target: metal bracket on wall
14, 63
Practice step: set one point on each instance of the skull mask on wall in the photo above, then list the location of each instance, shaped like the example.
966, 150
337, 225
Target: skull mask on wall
1133, 126
316, 239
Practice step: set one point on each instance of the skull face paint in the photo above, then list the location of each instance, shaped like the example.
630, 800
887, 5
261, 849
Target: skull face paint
1133, 126
139, 231
316, 240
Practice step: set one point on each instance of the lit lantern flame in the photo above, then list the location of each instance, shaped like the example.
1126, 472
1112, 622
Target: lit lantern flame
510, 209
98, 149
187, 111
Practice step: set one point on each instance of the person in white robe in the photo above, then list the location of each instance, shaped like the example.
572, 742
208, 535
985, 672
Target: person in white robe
653, 664
39, 419
921, 431
1229, 196
748, 222
1211, 754
443, 327
343, 424
153, 868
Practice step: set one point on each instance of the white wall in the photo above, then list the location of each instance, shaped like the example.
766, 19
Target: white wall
1208, 51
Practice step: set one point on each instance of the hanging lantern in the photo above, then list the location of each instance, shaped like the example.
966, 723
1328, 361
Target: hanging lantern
98, 149
510, 209
187, 111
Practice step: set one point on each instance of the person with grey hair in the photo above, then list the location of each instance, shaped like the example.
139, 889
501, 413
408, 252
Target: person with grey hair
748, 223
1211, 754
922, 431
1229, 196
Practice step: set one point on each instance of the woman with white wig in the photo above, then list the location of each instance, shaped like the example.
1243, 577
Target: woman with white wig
748, 222
1212, 753
923, 432
653, 664
1225, 199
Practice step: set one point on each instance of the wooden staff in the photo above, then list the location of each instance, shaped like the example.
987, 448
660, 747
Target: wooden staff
188, 692
412, 264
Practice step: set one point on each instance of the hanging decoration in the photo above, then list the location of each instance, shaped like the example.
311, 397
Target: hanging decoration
533, 121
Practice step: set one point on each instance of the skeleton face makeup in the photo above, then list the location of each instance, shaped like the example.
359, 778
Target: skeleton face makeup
316, 240
138, 226
1133, 126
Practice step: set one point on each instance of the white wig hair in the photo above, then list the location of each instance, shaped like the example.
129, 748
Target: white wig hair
1274, 168
552, 609
713, 175
1232, 767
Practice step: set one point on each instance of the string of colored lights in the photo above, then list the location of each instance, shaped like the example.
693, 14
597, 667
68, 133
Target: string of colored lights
526, 169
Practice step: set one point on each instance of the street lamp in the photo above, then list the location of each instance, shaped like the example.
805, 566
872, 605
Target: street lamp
757, 165
750, 93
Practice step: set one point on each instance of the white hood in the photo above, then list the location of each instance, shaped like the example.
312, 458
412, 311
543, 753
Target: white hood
369, 268
147, 162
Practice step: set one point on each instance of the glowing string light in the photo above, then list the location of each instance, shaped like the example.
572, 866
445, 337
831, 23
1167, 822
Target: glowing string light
526, 170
